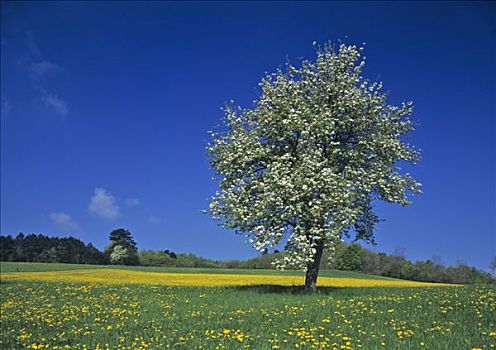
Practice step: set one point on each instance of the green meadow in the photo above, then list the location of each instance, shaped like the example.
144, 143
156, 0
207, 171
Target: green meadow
67, 315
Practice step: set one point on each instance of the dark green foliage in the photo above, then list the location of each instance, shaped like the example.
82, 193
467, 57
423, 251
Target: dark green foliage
171, 254
262, 262
167, 258
123, 238
352, 258
41, 248
155, 258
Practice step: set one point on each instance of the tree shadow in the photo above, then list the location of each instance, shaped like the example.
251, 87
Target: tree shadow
278, 289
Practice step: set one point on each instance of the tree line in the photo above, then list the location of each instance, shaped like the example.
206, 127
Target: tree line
122, 250
354, 257
41, 248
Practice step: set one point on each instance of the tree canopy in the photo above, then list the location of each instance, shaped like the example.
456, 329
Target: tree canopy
303, 166
122, 237
122, 249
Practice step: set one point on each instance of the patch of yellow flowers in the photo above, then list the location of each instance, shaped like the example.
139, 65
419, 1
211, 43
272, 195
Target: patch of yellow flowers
113, 276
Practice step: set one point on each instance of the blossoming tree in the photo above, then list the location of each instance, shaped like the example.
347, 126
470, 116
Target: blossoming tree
303, 166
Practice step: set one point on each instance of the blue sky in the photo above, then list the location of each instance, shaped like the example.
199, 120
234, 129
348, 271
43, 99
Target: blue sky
105, 109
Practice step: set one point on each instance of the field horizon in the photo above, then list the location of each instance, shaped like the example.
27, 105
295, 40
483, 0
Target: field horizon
194, 276
8, 267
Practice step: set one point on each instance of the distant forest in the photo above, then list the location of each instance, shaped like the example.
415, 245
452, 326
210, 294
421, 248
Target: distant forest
41, 248
348, 257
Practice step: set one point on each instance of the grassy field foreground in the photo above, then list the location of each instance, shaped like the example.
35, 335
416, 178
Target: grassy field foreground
67, 313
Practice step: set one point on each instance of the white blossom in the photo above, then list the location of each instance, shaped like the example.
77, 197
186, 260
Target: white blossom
304, 165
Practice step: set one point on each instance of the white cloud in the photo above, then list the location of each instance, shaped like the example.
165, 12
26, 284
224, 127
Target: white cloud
154, 220
5, 106
132, 202
56, 103
43, 69
103, 204
33, 48
64, 222
39, 69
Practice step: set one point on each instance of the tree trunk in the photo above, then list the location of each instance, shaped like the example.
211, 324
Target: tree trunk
313, 269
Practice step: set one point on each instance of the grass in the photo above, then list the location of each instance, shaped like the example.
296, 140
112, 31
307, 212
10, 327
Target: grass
74, 315
122, 276
6, 267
